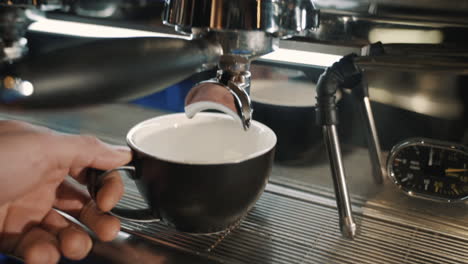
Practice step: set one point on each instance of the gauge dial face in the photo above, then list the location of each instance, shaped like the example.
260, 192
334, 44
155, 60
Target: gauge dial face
430, 169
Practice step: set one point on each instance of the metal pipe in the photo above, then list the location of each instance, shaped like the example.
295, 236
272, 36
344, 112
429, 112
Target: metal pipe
373, 143
361, 93
104, 70
344, 73
397, 6
343, 202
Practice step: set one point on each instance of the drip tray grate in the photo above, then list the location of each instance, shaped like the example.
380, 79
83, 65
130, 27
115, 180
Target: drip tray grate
282, 229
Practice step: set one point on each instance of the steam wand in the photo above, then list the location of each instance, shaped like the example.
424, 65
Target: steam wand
344, 74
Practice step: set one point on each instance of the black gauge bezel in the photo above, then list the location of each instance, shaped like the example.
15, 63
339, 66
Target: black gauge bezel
426, 142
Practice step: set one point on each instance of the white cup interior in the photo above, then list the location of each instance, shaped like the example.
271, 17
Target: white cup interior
207, 138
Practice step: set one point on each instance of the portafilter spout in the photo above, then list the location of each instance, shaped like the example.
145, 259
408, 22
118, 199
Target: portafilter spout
227, 93
239, 49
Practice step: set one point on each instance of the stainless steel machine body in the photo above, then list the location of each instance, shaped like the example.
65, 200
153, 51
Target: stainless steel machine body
239, 32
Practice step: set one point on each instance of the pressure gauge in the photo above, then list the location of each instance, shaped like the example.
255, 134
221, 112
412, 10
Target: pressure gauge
430, 169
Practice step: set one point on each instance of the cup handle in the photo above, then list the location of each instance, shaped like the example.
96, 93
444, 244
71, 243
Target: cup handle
96, 178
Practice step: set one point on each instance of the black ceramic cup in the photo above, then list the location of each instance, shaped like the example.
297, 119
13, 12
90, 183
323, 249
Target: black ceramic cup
199, 175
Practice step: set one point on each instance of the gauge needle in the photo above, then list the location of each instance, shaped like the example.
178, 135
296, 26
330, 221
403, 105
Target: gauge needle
455, 170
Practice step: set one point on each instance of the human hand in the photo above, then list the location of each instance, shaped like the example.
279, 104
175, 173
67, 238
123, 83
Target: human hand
35, 162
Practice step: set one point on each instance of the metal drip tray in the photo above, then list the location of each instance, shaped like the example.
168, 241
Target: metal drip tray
286, 229
286, 225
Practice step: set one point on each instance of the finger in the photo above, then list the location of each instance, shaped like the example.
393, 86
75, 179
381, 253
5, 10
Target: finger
74, 242
11, 126
77, 203
111, 192
38, 247
76, 152
105, 226
54, 222
71, 199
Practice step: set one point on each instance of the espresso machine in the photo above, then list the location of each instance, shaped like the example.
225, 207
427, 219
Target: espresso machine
227, 37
